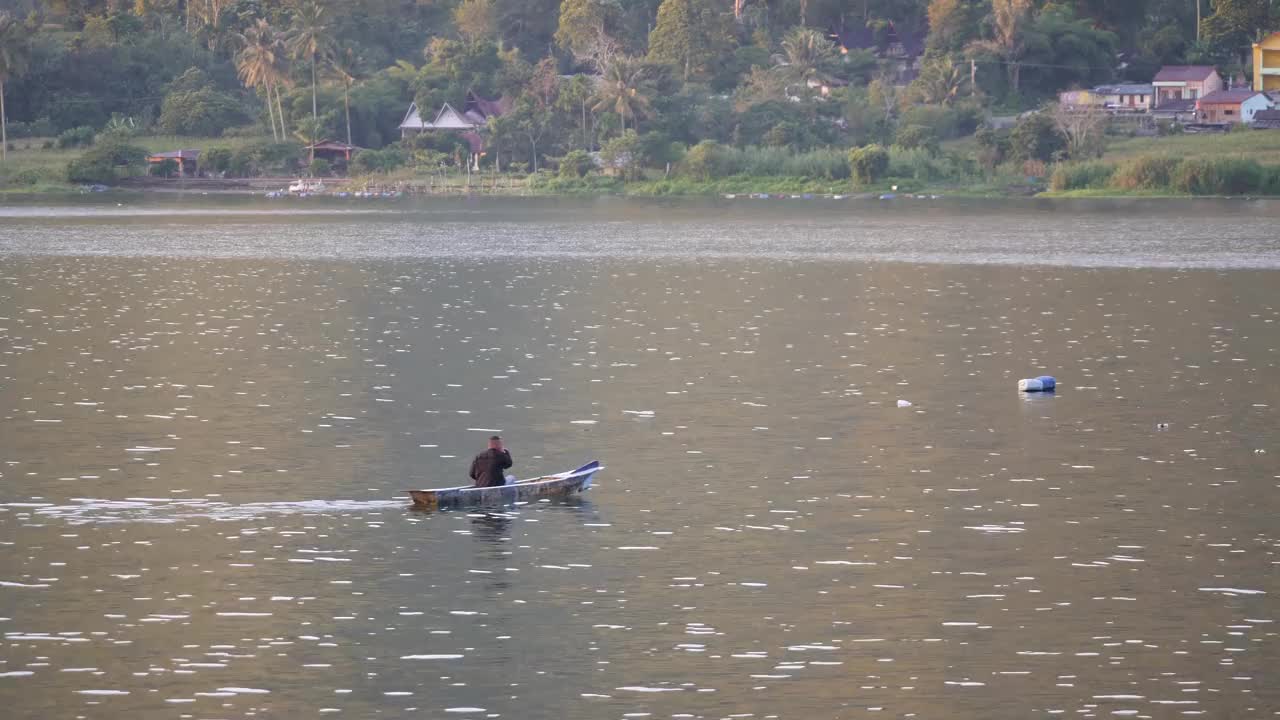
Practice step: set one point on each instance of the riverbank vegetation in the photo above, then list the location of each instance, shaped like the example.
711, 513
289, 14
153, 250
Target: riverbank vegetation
1162, 175
586, 96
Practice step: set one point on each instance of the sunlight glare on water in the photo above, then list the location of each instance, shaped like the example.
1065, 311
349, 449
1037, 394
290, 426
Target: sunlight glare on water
824, 495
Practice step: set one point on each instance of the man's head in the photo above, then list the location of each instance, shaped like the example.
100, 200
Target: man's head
495, 442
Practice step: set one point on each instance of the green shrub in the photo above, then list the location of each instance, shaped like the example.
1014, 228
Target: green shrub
1081, 176
240, 164
34, 129
119, 127
993, 147
106, 162
1218, 176
1144, 173
166, 168
200, 112
752, 161
1035, 137
1270, 184
959, 120
589, 185
266, 158
624, 154
817, 164
76, 137
216, 160
784, 134
576, 164
710, 161
918, 164
869, 163
384, 160
320, 168
28, 177
657, 149
276, 157
921, 137
702, 162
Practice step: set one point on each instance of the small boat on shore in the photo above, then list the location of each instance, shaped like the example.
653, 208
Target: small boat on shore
533, 489
304, 187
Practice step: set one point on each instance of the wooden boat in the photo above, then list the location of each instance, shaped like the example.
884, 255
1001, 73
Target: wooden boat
531, 490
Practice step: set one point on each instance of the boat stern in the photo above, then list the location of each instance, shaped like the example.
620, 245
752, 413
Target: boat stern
425, 499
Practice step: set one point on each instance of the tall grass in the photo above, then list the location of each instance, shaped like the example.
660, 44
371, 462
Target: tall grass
1144, 173
718, 162
1223, 176
1081, 176
728, 161
1191, 176
924, 166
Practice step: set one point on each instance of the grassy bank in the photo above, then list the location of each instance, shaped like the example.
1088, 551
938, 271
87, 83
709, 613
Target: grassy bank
32, 168
1154, 175
1243, 163
1260, 145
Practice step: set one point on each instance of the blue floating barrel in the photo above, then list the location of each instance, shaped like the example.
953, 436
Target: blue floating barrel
1048, 382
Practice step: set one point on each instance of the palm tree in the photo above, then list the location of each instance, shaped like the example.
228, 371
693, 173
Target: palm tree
13, 61
940, 81
806, 56
1011, 17
258, 64
347, 67
620, 90
282, 74
311, 39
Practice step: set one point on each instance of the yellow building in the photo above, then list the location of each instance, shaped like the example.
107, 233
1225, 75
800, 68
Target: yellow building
1266, 64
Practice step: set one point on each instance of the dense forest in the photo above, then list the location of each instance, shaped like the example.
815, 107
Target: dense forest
653, 82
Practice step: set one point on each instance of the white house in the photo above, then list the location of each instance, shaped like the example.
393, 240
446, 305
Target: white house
1126, 98
446, 119
1228, 107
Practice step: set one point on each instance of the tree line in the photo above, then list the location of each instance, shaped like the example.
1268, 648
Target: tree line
645, 79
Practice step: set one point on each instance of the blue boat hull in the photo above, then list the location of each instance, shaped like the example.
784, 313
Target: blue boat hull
548, 486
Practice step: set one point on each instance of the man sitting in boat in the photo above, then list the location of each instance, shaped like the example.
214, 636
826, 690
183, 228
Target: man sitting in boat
487, 468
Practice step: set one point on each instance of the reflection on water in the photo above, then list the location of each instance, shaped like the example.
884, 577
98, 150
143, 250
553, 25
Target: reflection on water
204, 461
1103, 233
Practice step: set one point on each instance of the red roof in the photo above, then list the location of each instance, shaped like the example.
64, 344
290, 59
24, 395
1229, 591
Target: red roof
487, 108
1228, 97
1184, 73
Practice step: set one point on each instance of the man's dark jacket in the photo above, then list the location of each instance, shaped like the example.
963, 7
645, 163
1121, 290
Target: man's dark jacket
487, 468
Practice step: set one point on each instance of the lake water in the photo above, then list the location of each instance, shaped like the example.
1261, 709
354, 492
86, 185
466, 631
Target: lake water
209, 409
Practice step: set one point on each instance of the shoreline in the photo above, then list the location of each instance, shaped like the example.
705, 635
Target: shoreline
733, 188
9, 195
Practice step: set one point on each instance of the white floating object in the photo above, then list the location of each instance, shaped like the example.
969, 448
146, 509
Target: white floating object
438, 656
1233, 591
904, 403
1030, 385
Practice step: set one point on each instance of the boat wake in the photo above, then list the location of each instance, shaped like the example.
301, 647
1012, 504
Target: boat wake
81, 511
